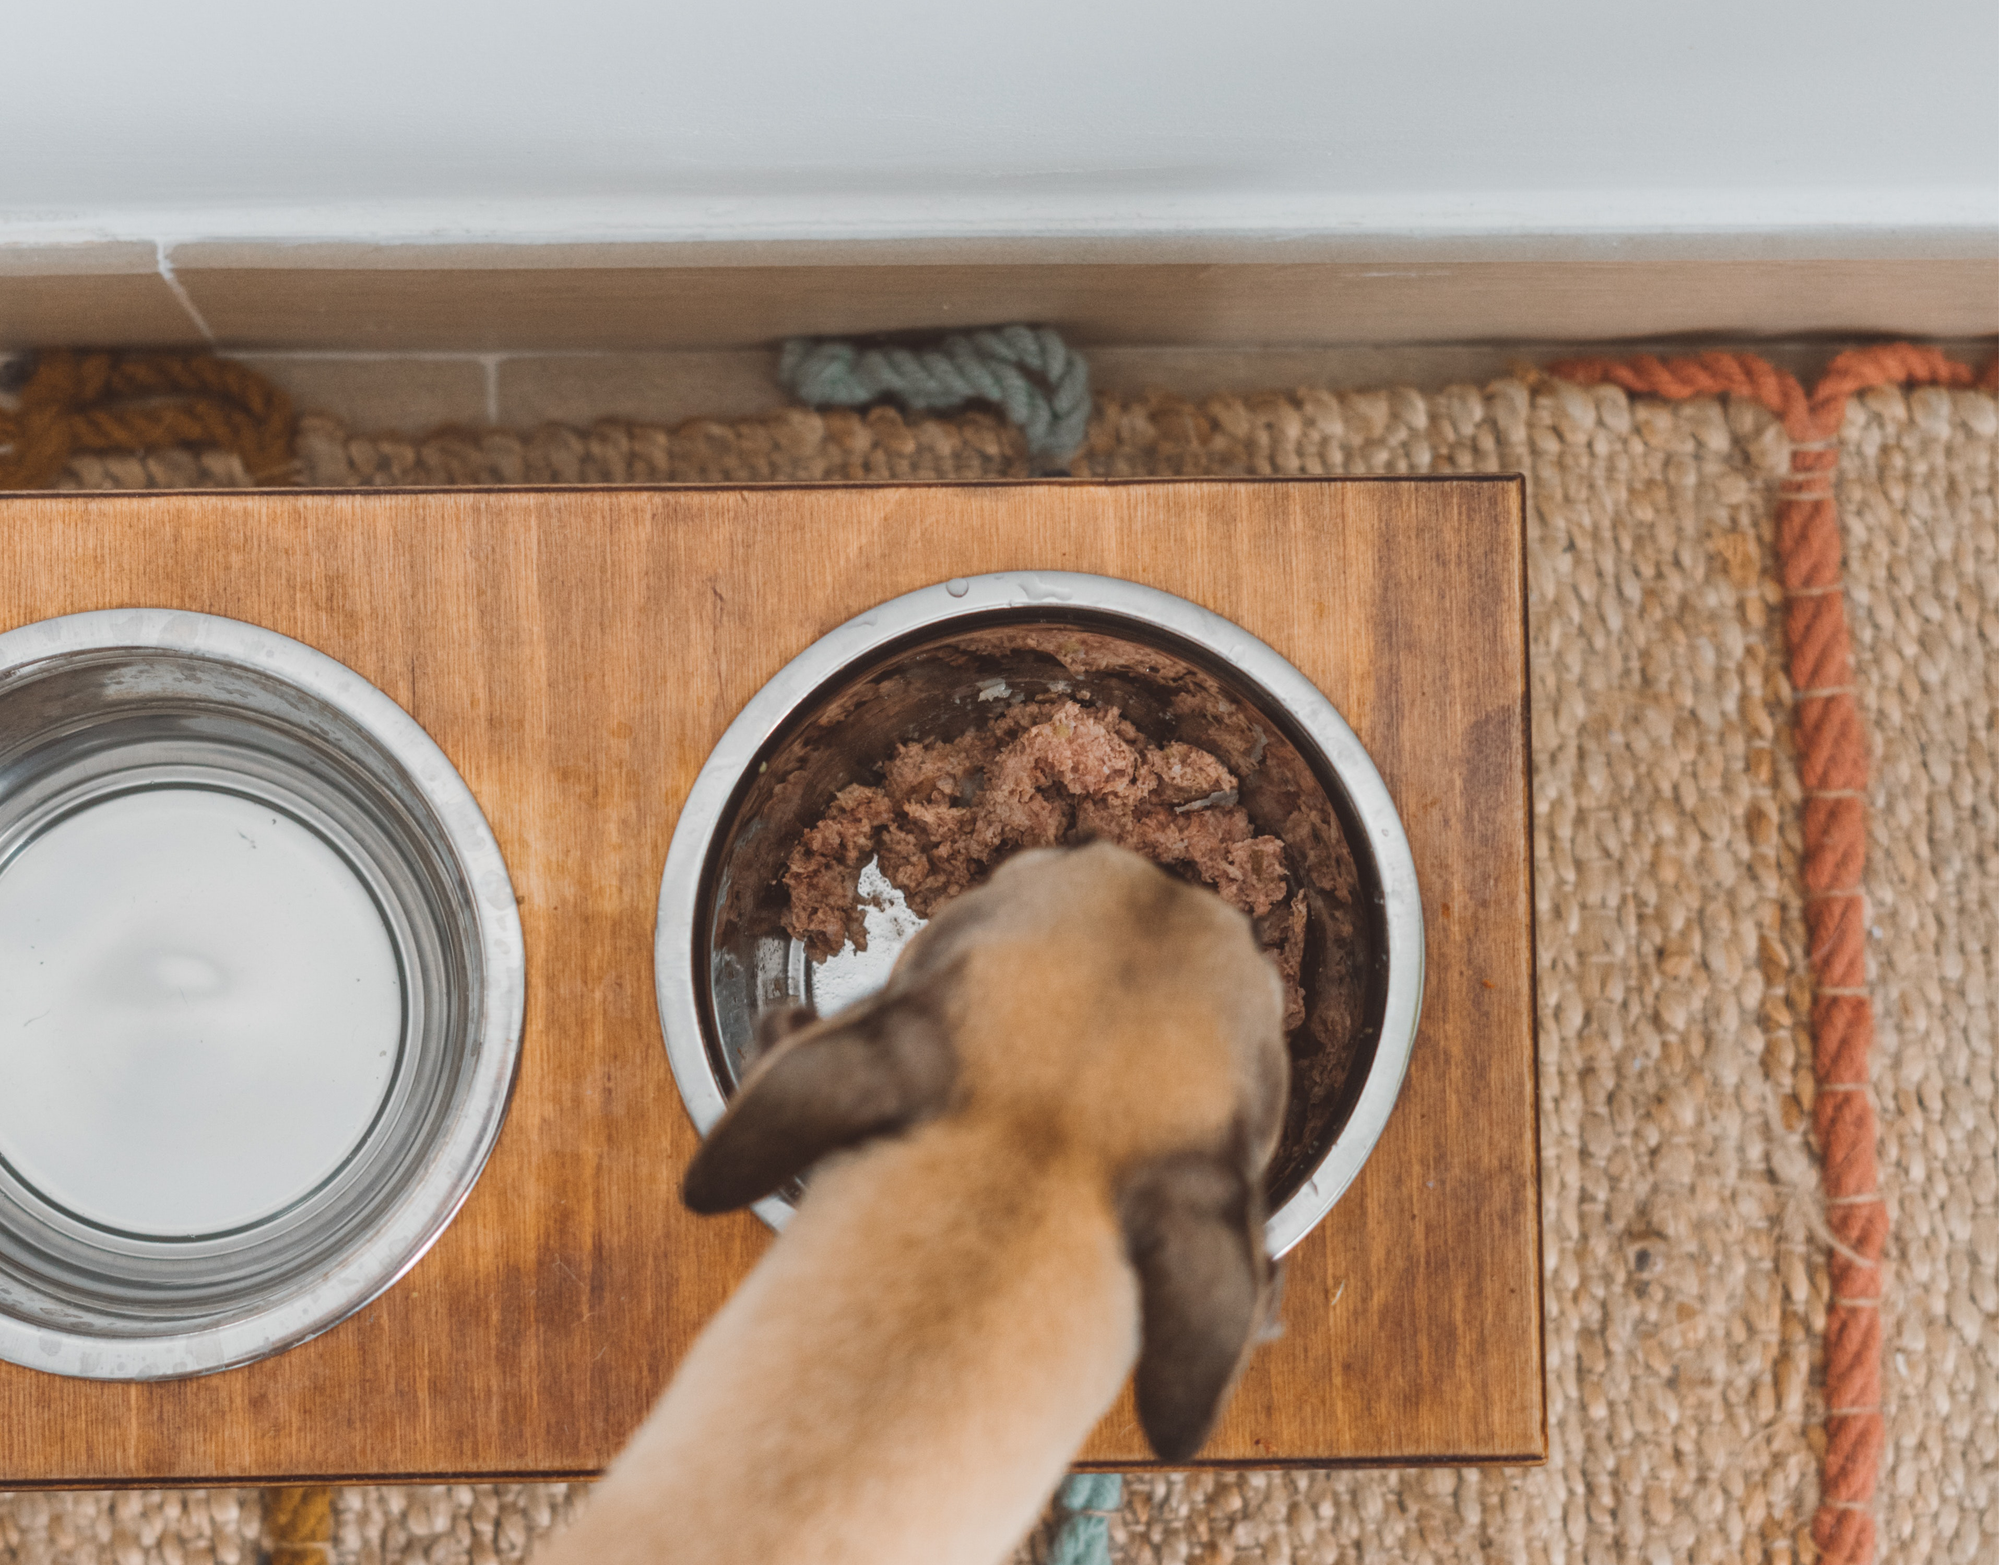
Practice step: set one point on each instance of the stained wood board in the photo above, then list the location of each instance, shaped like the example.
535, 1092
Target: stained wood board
576, 653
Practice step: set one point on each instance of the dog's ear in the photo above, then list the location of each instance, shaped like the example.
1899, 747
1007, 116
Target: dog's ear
1194, 1231
775, 1025
882, 1069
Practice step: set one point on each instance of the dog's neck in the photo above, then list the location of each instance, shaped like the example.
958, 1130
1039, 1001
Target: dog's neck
840, 1409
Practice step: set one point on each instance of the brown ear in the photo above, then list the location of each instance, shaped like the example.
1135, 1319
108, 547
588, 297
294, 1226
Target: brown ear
882, 1069
1194, 1231
777, 1023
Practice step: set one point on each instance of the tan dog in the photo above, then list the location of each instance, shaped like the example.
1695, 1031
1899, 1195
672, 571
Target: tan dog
1059, 1112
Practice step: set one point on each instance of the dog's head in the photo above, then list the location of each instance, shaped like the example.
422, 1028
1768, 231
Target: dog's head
1123, 1021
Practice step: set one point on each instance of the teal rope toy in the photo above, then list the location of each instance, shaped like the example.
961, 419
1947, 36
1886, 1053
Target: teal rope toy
1027, 371
1089, 1501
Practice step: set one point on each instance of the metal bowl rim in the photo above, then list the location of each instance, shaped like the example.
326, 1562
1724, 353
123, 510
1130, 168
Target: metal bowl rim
935, 608
455, 1161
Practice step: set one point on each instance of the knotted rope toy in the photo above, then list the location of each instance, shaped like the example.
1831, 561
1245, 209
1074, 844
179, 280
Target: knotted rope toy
130, 401
1088, 1501
1028, 372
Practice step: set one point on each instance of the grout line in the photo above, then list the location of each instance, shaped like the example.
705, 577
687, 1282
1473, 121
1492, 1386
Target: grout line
490, 363
174, 287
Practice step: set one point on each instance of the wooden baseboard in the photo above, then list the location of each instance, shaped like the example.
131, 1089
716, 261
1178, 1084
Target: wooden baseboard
554, 298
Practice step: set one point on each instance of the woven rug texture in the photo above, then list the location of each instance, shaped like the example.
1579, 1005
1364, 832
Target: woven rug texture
1685, 1240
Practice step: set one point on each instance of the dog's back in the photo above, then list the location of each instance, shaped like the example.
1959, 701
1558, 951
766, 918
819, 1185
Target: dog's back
1050, 1129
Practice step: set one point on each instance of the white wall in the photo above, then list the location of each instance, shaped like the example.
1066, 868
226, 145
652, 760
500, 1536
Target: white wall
1823, 127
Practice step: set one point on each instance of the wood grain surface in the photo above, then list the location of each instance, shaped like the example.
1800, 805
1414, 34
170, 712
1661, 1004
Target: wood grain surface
576, 653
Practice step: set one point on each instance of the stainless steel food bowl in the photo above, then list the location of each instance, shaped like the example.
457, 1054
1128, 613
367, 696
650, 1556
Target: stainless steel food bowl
260, 993
926, 665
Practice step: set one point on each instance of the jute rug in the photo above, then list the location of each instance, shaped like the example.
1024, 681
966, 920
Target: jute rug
1701, 1252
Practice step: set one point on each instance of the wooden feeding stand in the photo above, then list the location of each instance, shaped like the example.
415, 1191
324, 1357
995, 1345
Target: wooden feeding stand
576, 653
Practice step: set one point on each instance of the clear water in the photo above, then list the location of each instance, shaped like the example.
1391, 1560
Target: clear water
200, 1012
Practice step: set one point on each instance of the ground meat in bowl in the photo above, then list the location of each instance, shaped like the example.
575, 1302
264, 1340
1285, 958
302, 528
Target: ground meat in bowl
914, 779
1040, 773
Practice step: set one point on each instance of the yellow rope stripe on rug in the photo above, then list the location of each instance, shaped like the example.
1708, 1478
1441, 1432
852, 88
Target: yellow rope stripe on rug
1684, 1239
298, 1525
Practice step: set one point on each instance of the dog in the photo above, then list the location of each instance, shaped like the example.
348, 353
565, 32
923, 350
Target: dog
1036, 1161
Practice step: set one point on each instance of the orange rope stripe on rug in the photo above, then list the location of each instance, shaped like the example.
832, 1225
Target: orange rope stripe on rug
1833, 769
